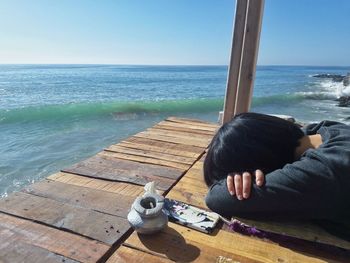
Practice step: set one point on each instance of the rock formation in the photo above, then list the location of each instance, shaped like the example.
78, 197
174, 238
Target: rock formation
346, 80
334, 77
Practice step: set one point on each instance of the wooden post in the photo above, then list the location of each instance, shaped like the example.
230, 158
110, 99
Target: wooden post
244, 53
235, 59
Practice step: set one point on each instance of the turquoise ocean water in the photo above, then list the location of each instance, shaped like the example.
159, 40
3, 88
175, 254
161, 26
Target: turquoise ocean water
52, 116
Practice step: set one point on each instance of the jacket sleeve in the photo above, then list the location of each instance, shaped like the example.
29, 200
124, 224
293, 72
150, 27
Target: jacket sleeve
303, 189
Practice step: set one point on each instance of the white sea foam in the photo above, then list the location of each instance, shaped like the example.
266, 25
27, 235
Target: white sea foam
317, 95
326, 89
336, 88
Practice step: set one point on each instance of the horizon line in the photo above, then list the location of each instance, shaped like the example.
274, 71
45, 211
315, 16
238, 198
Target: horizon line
169, 65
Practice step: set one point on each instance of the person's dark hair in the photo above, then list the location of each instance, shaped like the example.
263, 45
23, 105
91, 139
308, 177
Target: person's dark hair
248, 142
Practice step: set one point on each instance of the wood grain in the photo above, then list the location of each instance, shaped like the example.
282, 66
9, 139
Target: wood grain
97, 200
189, 197
19, 231
171, 139
179, 243
180, 134
192, 121
19, 251
126, 149
145, 159
182, 129
191, 188
190, 126
164, 147
99, 226
126, 171
125, 255
125, 189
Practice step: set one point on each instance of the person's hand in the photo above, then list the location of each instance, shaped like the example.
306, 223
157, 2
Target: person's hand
240, 185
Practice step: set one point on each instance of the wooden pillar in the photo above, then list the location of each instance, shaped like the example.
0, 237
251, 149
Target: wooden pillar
244, 53
235, 59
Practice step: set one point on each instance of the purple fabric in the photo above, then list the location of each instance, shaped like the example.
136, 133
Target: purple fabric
288, 241
239, 227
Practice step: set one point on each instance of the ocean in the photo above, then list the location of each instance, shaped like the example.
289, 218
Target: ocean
52, 116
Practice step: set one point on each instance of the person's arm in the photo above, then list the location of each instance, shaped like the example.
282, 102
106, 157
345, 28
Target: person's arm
304, 189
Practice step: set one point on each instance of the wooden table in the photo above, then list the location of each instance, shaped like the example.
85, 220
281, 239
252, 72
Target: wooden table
79, 214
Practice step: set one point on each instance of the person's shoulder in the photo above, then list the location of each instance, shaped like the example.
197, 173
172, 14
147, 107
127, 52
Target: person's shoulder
313, 128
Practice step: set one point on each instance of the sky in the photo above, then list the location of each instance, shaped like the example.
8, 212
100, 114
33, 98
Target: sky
169, 32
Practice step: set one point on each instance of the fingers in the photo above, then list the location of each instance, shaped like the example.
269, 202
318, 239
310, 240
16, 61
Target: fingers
259, 177
230, 184
247, 184
241, 185
238, 186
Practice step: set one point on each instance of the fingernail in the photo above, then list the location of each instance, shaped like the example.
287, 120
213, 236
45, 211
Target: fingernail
232, 193
239, 197
245, 195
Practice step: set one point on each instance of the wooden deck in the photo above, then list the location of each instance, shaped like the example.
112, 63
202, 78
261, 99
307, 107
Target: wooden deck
79, 214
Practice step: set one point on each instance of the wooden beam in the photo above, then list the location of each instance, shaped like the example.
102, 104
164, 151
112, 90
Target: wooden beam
250, 55
235, 59
245, 44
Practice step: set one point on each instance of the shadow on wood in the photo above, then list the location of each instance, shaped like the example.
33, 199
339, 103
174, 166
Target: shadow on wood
171, 244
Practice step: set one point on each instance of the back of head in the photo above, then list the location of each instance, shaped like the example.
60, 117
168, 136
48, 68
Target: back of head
248, 142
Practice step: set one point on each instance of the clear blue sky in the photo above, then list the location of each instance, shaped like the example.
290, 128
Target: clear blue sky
295, 32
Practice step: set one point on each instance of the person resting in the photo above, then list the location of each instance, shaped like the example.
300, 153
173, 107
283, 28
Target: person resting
299, 174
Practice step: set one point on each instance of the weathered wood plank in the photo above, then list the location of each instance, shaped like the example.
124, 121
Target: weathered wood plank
192, 121
192, 181
86, 222
185, 251
106, 163
101, 201
196, 171
122, 188
182, 135
158, 149
126, 171
144, 159
179, 243
189, 197
189, 126
182, 129
191, 188
191, 185
13, 230
124, 148
181, 139
166, 147
19, 251
126, 255
171, 139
